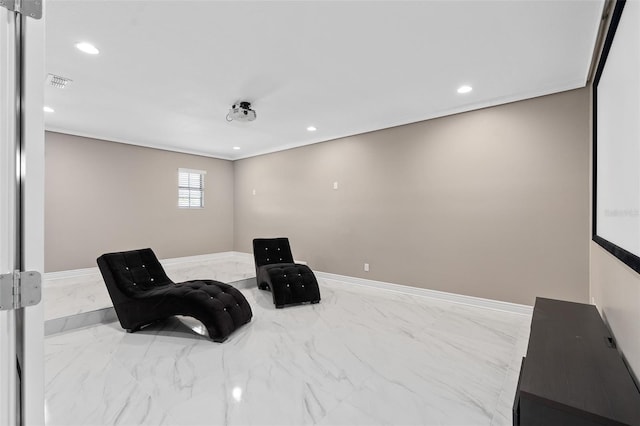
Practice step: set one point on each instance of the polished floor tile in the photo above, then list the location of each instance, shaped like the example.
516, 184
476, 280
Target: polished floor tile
361, 356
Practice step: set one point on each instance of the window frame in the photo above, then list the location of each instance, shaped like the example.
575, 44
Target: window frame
200, 188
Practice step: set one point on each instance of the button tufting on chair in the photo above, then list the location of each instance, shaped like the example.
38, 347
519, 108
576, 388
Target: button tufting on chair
278, 275
140, 303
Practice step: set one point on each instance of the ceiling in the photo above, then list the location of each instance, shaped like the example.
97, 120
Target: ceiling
168, 71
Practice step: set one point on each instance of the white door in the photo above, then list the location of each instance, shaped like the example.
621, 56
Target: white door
21, 210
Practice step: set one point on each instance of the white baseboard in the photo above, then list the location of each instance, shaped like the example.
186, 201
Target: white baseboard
71, 273
197, 258
242, 255
398, 288
431, 294
171, 261
249, 256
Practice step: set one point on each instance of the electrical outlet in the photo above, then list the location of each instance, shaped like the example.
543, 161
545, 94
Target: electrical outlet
366, 267
335, 185
254, 192
593, 300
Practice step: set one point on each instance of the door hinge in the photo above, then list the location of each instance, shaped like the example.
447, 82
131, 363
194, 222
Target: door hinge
20, 289
31, 8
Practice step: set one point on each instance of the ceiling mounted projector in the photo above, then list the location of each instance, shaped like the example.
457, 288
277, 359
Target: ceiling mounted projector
241, 111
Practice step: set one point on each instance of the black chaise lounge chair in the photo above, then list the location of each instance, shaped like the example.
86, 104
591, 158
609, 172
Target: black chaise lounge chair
290, 283
142, 293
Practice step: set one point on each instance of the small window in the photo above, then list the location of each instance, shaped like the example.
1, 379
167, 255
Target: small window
191, 188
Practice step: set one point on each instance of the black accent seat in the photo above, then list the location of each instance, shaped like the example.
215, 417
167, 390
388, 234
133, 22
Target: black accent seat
142, 293
290, 283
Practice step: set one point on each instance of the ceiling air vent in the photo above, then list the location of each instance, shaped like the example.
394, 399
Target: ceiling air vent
58, 81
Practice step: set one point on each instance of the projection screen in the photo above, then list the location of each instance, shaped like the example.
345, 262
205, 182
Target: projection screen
616, 133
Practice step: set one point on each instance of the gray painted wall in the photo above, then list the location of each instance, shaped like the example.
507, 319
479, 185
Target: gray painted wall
616, 291
491, 203
104, 196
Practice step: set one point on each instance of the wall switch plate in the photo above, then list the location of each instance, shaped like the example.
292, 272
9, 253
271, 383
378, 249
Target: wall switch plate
254, 192
335, 185
366, 267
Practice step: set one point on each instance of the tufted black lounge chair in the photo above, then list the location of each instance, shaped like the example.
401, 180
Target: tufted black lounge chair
142, 293
290, 283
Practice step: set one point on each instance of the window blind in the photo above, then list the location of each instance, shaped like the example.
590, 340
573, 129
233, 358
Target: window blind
191, 188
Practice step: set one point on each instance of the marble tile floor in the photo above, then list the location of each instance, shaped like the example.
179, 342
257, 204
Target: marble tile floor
362, 356
68, 296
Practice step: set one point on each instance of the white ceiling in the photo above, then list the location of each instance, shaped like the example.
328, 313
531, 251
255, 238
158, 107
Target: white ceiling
168, 71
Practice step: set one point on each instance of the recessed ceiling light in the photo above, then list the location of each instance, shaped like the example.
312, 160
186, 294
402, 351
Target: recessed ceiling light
311, 129
237, 393
87, 48
47, 109
465, 89
236, 148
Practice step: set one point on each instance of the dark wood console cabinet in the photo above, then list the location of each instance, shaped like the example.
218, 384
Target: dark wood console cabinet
572, 373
